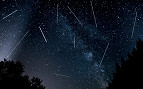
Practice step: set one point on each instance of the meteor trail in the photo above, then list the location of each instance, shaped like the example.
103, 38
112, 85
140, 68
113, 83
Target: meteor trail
43, 34
9, 14
93, 13
104, 54
74, 41
57, 12
18, 43
62, 75
134, 23
75, 16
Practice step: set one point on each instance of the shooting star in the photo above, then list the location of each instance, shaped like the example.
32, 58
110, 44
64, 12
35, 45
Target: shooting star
134, 23
9, 14
57, 13
74, 41
104, 55
75, 16
93, 13
43, 34
18, 43
62, 75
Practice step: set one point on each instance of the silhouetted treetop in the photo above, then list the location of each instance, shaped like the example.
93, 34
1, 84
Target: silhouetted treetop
128, 75
11, 77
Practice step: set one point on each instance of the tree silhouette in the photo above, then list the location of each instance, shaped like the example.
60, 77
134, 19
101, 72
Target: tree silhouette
129, 74
11, 77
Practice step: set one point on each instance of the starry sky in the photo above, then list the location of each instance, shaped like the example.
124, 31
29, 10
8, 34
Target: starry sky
70, 44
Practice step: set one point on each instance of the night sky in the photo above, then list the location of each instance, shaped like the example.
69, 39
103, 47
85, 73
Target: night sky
70, 44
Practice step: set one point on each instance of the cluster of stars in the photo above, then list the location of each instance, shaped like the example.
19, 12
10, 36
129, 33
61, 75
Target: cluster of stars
69, 44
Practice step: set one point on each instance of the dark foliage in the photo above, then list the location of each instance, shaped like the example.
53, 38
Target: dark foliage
11, 77
129, 74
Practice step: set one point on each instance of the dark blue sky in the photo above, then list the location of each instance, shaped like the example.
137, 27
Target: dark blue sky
78, 42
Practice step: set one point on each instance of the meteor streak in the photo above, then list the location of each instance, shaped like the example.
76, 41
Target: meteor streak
43, 34
134, 23
57, 12
9, 14
75, 16
104, 54
93, 13
18, 43
62, 75
74, 41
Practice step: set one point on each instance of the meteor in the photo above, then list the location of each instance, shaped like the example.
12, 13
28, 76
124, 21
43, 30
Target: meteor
9, 14
18, 43
74, 41
104, 54
62, 75
93, 13
57, 12
43, 34
134, 23
75, 16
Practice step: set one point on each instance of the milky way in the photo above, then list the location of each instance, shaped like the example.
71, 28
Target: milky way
70, 44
